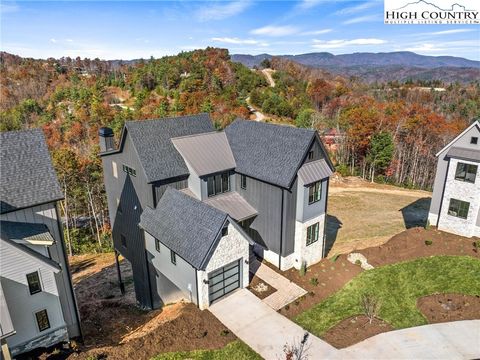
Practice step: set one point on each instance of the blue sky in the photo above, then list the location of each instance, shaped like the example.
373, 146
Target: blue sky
134, 29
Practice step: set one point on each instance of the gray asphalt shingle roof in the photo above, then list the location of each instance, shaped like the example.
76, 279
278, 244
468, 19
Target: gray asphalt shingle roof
152, 141
25, 231
27, 177
271, 153
185, 225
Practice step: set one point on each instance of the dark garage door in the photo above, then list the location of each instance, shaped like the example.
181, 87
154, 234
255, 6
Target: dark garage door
223, 281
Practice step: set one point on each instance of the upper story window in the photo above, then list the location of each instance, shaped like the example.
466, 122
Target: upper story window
458, 208
129, 170
243, 182
312, 233
314, 192
42, 320
33, 280
114, 169
157, 245
173, 257
218, 184
225, 231
474, 140
466, 172
310, 155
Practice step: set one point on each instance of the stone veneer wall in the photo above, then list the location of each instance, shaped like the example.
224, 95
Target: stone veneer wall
464, 191
230, 248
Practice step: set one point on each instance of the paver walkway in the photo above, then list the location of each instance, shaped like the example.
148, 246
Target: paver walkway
287, 291
264, 329
267, 332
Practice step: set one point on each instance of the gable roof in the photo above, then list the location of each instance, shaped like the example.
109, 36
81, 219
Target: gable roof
25, 231
207, 153
152, 141
271, 153
185, 225
475, 123
27, 177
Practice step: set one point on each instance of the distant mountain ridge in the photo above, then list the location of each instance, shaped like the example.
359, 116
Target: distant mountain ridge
400, 58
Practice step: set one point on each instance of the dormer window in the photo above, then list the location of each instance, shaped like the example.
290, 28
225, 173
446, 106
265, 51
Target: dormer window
474, 140
218, 184
310, 155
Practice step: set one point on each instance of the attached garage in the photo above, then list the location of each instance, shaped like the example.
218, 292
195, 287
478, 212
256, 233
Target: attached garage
223, 281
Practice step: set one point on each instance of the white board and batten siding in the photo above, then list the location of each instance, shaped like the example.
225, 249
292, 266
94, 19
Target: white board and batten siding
47, 214
22, 305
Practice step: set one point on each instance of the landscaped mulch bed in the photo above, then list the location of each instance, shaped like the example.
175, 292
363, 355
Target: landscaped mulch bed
260, 288
449, 307
353, 330
410, 244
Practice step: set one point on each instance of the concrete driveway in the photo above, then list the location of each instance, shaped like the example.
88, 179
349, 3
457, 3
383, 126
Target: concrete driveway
263, 329
267, 332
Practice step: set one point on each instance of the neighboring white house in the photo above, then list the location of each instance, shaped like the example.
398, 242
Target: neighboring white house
455, 203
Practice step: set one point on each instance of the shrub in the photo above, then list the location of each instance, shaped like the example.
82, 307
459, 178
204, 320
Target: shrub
427, 225
314, 281
358, 262
370, 305
335, 257
224, 332
287, 307
428, 242
303, 269
476, 245
343, 170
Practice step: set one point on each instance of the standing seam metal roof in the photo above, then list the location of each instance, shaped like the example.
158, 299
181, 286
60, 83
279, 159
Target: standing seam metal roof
26, 171
314, 171
25, 231
464, 153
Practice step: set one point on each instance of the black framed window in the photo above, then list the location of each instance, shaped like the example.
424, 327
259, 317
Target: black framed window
310, 155
312, 233
157, 245
34, 284
474, 140
123, 240
129, 170
173, 257
243, 182
218, 184
458, 208
42, 320
225, 231
315, 192
466, 172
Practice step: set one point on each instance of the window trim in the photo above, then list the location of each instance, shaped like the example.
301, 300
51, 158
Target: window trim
40, 289
221, 178
317, 190
459, 208
129, 170
243, 182
467, 167
173, 257
157, 245
38, 324
309, 240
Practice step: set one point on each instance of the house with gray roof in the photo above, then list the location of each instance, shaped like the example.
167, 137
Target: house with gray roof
176, 185
455, 205
38, 304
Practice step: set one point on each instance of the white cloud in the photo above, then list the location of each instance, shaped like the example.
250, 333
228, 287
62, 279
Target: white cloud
425, 48
317, 32
222, 11
357, 8
447, 32
52, 40
308, 4
272, 30
69, 40
361, 19
335, 44
234, 40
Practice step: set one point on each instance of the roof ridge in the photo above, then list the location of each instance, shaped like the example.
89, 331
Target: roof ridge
165, 118
197, 135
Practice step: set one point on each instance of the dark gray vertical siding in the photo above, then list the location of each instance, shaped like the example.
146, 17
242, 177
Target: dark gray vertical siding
267, 200
161, 188
317, 152
289, 219
134, 194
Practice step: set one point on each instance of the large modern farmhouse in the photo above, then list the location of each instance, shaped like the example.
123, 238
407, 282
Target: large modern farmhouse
37, 302
455, 203
190, 205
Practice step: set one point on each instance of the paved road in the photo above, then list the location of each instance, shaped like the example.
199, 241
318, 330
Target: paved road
266, 332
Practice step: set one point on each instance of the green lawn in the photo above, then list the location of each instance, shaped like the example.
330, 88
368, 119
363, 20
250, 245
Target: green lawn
236, 350
397, 287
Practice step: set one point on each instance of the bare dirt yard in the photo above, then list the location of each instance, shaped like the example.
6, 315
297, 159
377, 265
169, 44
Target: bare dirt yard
115, 328
362, 214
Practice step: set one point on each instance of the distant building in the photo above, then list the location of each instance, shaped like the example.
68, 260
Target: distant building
37, 302
455, 203
261, 188
332, 138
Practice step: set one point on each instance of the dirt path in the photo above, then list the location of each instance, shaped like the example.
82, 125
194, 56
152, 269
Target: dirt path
258, 115
268, 74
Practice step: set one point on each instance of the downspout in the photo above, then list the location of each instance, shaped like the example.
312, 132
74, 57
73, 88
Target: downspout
196, 287
281, 235
443, 194
77, 315
325, 221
